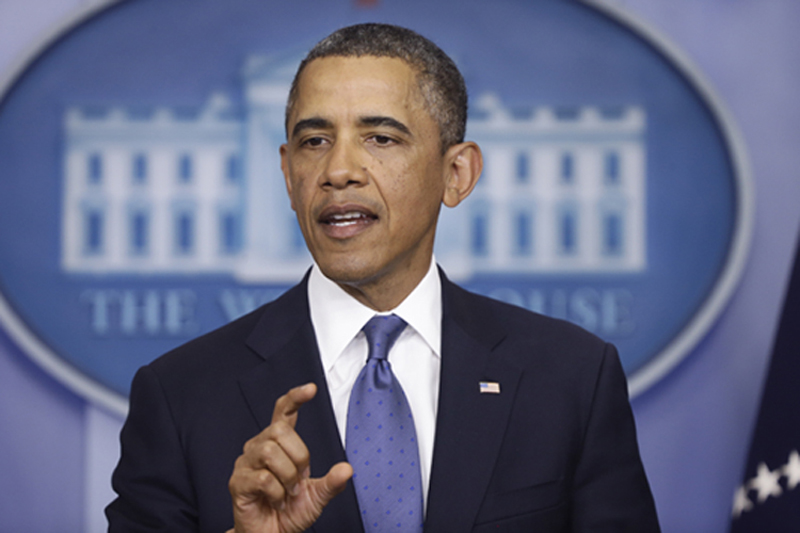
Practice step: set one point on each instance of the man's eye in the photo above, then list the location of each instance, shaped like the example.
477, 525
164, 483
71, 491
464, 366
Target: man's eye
313, 141
382, 139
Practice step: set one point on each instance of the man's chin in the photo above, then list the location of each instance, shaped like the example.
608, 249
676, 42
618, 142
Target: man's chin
347, 271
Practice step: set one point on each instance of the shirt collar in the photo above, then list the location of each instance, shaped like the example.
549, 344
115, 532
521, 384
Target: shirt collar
337, 317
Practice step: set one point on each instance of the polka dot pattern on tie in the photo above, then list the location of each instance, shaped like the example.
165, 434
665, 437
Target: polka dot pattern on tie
381, 440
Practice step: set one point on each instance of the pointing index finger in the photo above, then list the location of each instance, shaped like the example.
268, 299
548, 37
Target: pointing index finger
287, 405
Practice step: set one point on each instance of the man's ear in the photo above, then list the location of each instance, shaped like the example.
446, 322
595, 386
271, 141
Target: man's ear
463, 166
285, 169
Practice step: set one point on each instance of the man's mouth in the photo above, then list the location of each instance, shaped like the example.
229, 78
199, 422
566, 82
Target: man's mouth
348, 219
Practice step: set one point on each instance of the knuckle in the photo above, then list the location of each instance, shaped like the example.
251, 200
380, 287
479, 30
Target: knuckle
270, 485
303, 458
265, 478
237, 482
249, 445
280, 428
269, 449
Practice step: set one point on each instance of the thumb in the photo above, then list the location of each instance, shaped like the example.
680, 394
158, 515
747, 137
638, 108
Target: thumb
333, 482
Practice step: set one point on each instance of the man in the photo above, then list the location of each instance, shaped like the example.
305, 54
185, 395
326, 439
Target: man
521, 423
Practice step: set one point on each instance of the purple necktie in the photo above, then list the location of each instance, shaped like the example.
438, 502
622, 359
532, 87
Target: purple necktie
381, 440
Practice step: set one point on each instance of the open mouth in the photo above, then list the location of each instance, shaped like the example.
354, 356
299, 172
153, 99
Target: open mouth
345, 221
346, 215
350, 218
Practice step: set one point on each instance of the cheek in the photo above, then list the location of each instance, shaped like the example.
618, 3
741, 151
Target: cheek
302, 180
429, 185
300, 199
417, 199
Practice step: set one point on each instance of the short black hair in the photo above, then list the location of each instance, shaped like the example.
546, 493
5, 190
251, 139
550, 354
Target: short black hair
440, 81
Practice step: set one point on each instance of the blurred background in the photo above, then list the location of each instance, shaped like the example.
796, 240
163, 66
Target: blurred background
57, 449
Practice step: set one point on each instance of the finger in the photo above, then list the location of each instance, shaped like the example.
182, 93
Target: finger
280, 450
278, 439
295, 458
287, 405
332, 483
247, 486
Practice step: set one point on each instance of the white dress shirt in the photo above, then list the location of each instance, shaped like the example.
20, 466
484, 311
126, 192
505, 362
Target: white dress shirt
415, 357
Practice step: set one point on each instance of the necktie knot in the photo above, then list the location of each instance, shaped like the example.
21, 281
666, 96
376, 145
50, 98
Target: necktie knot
382, 331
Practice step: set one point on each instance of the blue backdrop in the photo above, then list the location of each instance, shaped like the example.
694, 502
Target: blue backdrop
55, 449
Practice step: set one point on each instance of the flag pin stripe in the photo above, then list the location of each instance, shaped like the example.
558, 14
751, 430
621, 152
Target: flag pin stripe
489, 387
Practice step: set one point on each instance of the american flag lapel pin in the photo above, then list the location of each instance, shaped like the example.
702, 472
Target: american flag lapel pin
489, 387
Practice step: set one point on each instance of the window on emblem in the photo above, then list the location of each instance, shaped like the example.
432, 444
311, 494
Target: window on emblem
567, 168
233, 168
185, 168
524, 233
523, 167
94, 222
139, 168
231, 232
612, 234
611, 172
480, 235
95, 168
568, 232
184, 233
139, 232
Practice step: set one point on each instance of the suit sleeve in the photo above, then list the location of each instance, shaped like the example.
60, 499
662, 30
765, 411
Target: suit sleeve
611, 492
152, 481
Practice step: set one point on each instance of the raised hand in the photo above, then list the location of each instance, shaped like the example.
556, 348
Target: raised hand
271, 489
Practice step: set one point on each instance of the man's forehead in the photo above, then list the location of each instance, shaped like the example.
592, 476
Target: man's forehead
362, 81
347, 69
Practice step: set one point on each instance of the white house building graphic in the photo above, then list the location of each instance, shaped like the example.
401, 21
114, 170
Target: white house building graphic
173, 190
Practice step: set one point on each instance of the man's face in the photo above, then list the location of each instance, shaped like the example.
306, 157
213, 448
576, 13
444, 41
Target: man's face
365, 172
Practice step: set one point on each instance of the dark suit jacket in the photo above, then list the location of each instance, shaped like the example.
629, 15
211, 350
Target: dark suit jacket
554, 451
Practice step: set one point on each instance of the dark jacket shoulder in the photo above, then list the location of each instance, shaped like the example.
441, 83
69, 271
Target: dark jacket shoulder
494, 322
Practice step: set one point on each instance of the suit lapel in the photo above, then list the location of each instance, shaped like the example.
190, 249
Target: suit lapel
470, 424
285, 339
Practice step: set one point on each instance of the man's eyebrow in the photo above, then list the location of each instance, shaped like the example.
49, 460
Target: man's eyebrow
313, 123
385, 121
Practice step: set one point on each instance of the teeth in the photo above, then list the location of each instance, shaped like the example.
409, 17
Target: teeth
347, 216
346, 219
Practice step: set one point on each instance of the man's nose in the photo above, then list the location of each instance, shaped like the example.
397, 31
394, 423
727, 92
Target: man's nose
345, 166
